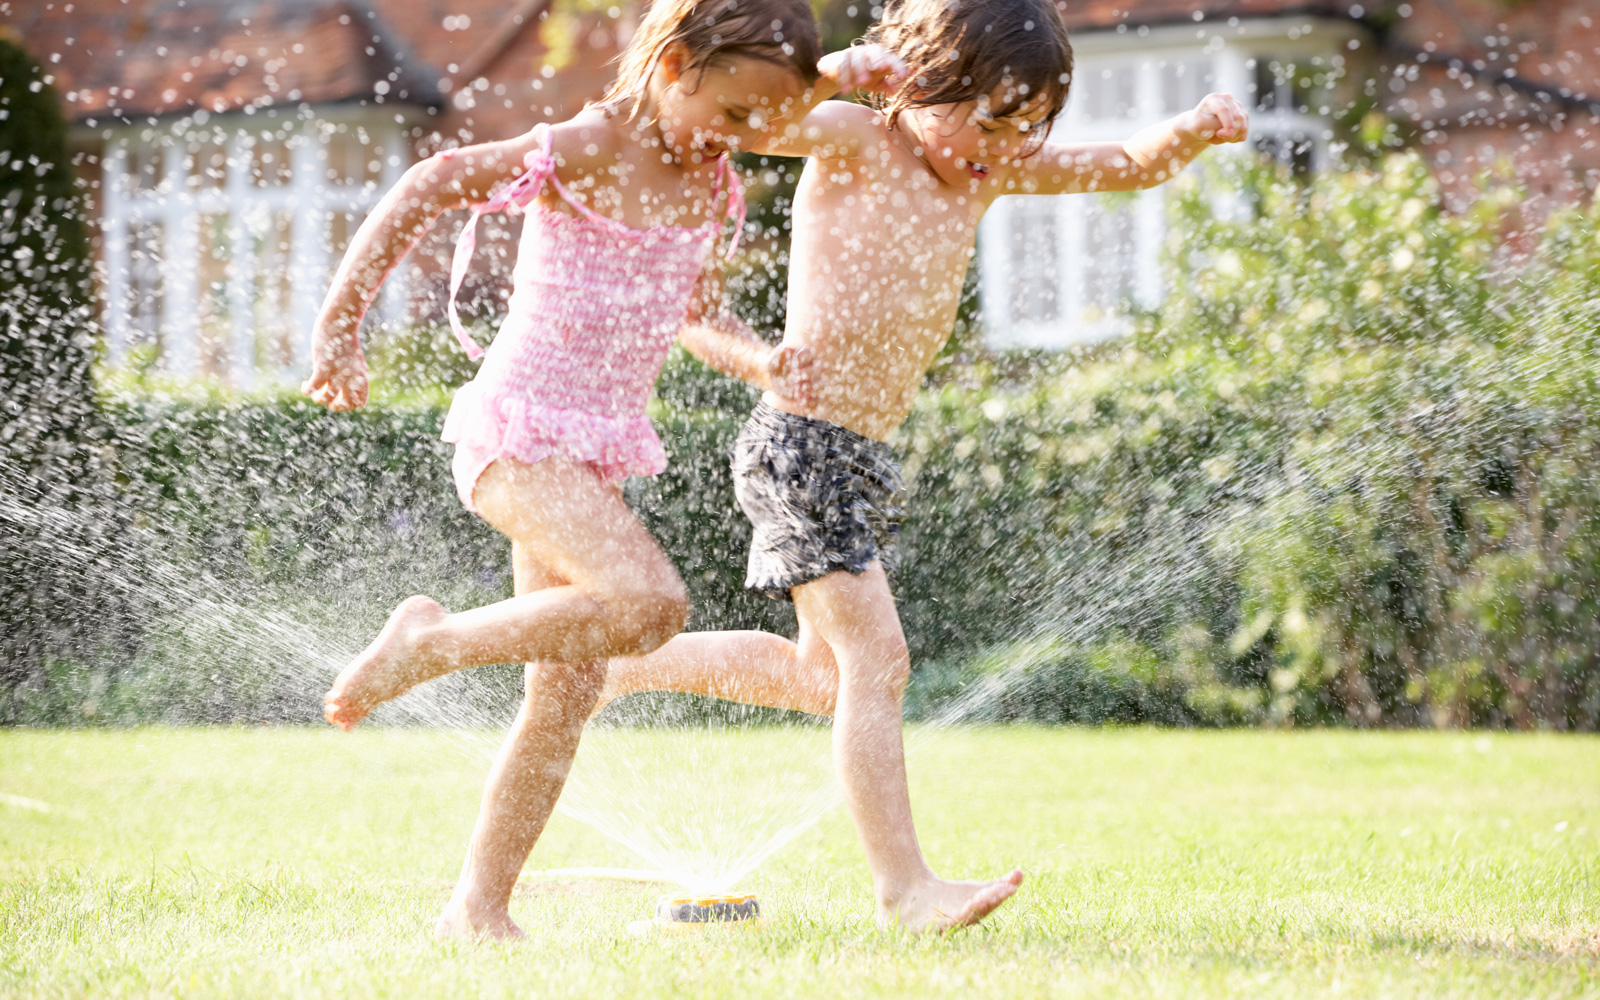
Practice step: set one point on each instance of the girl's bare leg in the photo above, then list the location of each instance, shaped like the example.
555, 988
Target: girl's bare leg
621, 595
856, 616
525, 780
756, 668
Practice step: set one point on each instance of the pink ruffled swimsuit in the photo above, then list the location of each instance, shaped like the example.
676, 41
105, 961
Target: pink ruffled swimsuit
595, 305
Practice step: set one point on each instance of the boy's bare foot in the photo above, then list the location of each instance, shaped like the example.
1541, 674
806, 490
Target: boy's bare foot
456, 922
383, 670
940, 906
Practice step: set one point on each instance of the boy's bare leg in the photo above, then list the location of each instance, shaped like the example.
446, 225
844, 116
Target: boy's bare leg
524, 782
755, 668
856, 616
620, 595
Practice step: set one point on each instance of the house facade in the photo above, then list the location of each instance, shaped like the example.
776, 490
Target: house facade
1479, 85
231, 147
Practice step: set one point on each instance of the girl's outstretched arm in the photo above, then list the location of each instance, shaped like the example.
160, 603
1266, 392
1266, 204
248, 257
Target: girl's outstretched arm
725, 342
1149, 157
447, 180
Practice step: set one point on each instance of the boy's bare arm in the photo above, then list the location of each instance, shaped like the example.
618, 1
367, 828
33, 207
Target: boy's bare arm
834, 129
1149, 157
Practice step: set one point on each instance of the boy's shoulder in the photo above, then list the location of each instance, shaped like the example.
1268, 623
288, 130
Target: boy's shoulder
845, 126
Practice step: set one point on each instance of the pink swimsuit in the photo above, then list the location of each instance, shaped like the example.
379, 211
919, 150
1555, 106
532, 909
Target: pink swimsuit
595, 305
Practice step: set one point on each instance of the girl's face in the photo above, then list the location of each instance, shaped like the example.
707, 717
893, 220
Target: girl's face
723, 106
963, 143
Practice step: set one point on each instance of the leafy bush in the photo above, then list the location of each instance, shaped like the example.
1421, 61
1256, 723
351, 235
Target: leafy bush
1340, 475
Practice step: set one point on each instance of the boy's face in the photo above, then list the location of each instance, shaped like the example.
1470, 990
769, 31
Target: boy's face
964, 143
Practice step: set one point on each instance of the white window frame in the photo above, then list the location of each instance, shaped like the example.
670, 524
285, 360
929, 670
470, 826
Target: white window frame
307, 199
1229, 51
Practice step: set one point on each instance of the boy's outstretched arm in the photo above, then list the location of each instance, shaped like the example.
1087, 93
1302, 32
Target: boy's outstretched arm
822, 131
1152, 155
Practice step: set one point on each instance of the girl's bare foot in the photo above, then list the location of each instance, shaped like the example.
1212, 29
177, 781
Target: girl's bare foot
456, 922
384, 669
940, 906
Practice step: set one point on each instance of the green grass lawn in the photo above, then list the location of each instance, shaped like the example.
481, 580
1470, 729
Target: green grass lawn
244, 862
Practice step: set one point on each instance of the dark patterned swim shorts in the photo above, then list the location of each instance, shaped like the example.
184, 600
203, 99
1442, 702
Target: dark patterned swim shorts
821, 497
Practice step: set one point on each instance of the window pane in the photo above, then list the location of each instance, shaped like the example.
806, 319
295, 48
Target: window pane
354, 158
269, 162
1108, 255
372, 163
216, 314
1111, 92
146, 246
344, 158
1034, 258
1294, 150
1264, 83
341, 226
1285, 84
1184, 82
271, 295
208, 165
146, 166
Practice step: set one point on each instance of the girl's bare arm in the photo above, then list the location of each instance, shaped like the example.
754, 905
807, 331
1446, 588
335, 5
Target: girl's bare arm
448, 180
1149, 157
725, 342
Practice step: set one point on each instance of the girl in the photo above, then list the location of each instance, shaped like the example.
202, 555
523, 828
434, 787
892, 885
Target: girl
623, 204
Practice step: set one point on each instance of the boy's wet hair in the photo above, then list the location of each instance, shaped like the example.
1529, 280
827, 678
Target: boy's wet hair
961, 50
782, 32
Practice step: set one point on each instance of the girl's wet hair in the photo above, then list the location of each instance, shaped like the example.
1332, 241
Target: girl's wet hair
782, 32
961, 50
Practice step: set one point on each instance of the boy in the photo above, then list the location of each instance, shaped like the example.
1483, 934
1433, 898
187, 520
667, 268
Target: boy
885, 222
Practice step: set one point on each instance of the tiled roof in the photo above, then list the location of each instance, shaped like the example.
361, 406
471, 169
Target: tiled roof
153, 57
1082, 15
134, 58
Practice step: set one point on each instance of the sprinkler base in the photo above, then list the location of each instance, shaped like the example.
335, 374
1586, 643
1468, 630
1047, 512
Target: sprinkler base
691, 908
696, 911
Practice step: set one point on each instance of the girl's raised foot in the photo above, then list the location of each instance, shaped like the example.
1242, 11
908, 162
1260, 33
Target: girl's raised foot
385, 669
940, 906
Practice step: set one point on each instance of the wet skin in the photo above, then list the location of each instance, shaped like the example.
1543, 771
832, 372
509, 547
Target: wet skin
886, 219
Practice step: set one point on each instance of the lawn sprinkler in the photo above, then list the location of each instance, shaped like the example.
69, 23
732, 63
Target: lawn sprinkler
690, 911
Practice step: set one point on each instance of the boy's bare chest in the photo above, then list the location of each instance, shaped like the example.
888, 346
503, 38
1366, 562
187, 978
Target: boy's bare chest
890, 204
881, 226
876, 272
